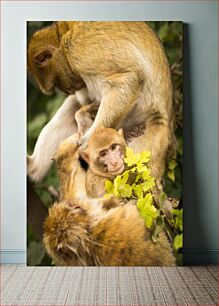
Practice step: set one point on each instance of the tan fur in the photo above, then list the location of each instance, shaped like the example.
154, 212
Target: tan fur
117, 237
97, 232
122, 65
85, 117
71, 175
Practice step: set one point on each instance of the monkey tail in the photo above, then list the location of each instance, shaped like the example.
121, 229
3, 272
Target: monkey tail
66, 237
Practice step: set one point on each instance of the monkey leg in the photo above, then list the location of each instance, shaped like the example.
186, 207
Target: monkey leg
116, 102
123, 240
157, 139
61, 126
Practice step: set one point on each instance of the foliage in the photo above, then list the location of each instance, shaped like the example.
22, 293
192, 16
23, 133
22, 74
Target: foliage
40, 109
136, 183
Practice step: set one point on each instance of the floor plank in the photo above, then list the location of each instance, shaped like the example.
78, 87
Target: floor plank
123, 286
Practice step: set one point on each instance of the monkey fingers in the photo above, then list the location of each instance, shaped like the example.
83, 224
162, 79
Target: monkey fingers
111, 202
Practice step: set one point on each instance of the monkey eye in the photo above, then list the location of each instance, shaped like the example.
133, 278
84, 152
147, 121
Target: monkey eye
113, 147
102, 154
42, 57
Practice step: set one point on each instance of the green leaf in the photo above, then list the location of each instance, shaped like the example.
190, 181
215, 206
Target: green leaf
138, 191
141, 168
180, 146
178, 242
146, 174
147, 211
171, 175
162, 198
121, 189
170, 172
150, 215
172, 164
163, 31
148, 184
109, 187
137, 178
178, 213
145, 156
131, 158
146, 201
125, 191
125, 176
158, 228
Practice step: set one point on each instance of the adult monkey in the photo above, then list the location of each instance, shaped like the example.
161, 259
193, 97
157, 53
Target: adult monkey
123, 66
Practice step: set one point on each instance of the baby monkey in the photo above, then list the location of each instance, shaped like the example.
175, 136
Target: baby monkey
105, 156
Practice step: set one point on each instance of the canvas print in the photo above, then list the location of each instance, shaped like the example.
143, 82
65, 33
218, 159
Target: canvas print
104, 143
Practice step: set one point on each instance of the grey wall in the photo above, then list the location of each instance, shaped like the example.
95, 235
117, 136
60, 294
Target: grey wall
200, 112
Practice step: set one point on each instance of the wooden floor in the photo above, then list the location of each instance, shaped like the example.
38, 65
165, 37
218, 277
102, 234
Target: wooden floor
23, 285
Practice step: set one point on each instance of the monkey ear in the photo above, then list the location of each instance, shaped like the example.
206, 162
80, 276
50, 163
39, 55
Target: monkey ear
120, 131
84, 155
43, 56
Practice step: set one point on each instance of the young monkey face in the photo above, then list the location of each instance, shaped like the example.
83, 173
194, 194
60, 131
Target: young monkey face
105, 152
113, 159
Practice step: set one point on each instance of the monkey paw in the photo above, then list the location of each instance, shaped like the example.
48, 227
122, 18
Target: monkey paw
112, 202
83, 142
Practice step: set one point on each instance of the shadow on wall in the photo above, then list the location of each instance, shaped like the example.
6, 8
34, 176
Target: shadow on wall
191, 197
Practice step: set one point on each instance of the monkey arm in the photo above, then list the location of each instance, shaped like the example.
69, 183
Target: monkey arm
61, 126
120, 92
85, 117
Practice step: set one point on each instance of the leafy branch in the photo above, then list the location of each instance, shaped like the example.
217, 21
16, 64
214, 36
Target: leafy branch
136, 183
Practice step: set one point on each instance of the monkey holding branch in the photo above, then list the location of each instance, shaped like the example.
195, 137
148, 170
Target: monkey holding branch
123, 66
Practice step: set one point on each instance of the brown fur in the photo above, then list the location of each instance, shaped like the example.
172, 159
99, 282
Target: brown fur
123, 66
97, 232
75, 235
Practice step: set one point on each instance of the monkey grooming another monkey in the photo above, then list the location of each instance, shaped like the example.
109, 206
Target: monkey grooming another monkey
123, 66
80, 231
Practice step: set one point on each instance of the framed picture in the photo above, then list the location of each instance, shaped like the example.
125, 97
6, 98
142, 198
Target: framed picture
114, 132
26, 110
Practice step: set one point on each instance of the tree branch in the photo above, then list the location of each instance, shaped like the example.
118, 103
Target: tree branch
36, 212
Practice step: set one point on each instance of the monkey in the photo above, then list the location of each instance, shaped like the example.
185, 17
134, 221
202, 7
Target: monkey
81, 183
82, 231
123, 66
105, 156
83, 234
112, 144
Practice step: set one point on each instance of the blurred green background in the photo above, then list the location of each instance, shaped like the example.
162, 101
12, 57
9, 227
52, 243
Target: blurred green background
41, 108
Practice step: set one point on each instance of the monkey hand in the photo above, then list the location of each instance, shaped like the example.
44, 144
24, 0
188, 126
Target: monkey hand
83, 142
111, 202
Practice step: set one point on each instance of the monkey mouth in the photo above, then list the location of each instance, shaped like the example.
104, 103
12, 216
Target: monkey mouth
117, 171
